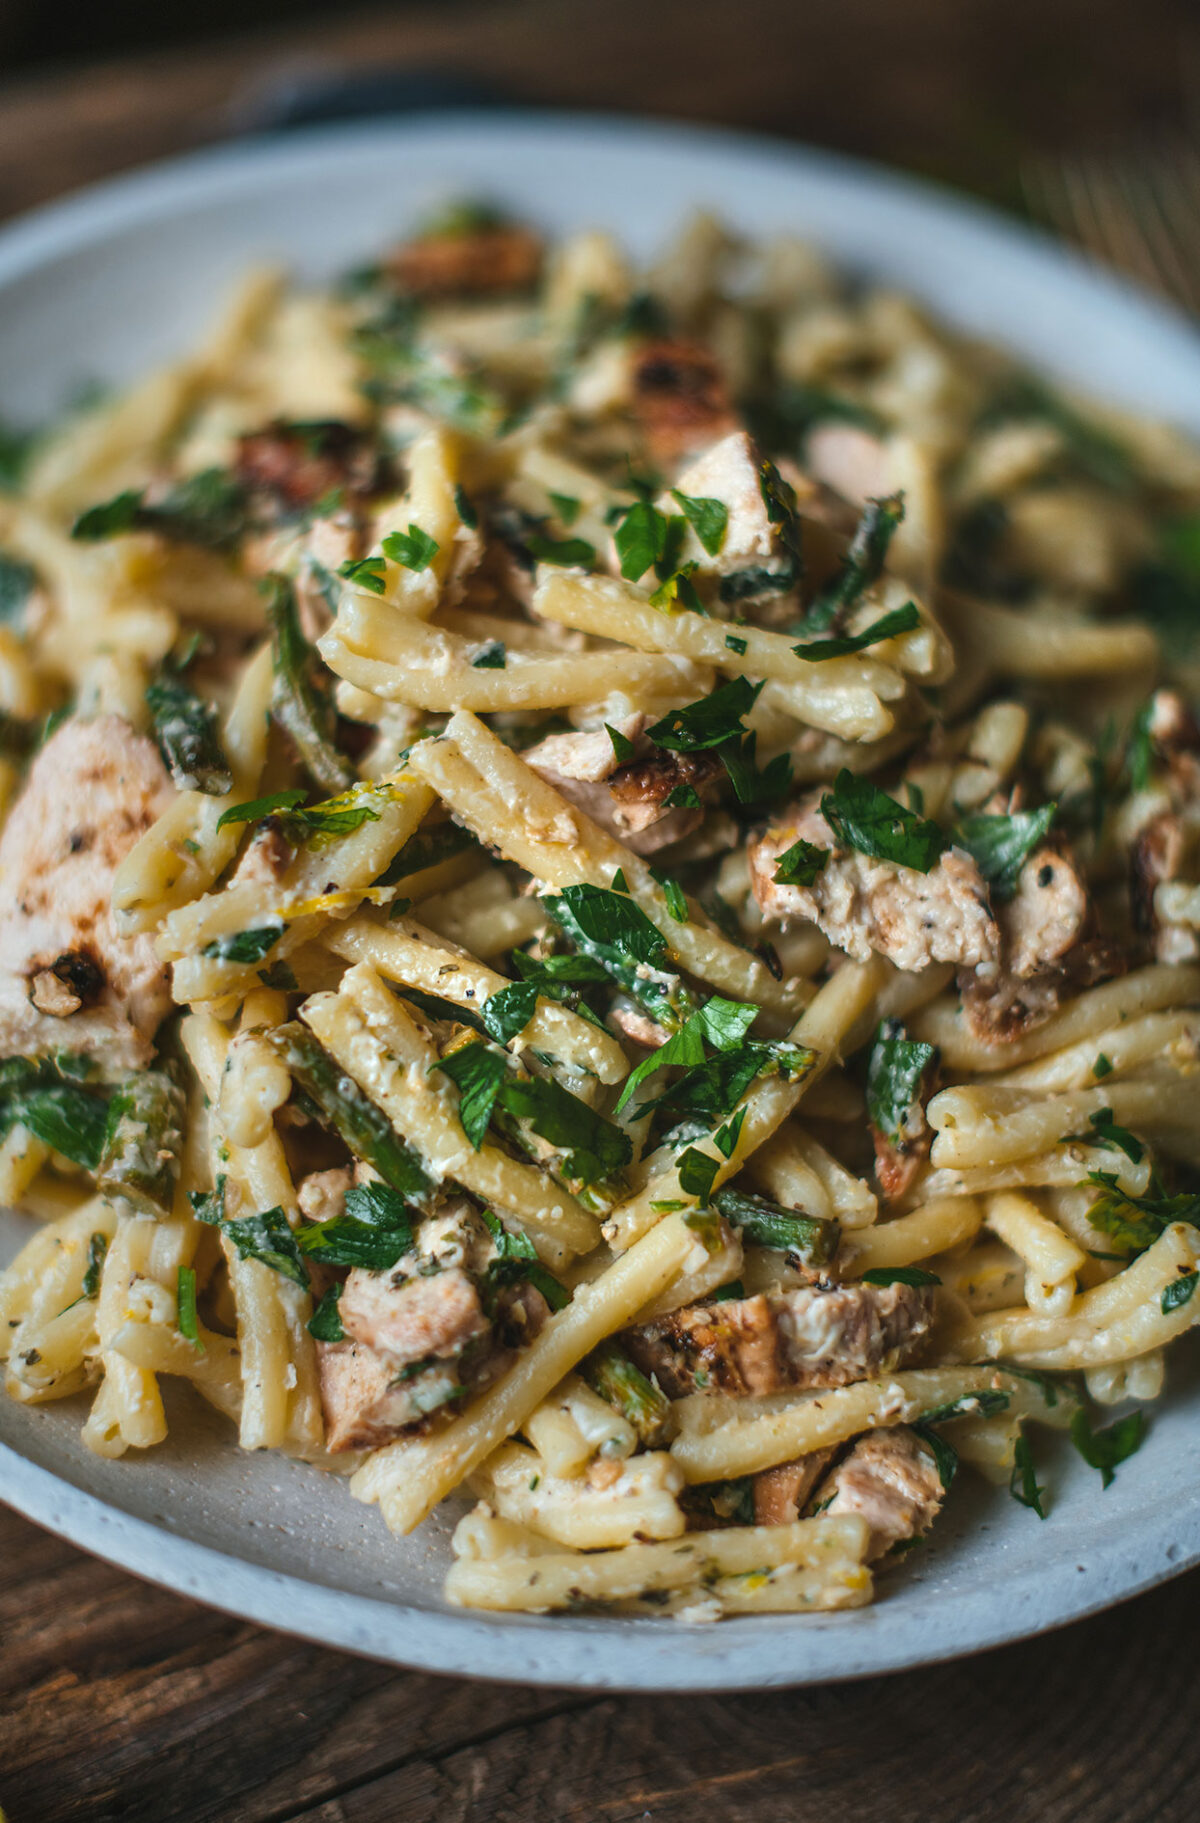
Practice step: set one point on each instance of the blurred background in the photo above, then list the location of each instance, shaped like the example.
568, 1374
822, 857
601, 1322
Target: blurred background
968, 91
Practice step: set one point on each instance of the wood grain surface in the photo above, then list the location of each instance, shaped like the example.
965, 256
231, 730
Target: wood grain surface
120, 1701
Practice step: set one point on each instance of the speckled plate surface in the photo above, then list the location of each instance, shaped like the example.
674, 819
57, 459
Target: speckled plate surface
108, 282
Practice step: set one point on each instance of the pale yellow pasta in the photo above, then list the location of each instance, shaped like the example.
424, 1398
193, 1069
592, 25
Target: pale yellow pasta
574, 1426
408, 1478
935, 1226
830, 1550
617, 1503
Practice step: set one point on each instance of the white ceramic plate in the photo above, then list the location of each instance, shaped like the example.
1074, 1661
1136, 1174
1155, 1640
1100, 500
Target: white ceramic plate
113, 280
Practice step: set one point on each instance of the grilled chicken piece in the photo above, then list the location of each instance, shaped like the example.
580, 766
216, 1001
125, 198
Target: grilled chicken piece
854, 463
68, 981
421, 1334
781, 1493
803, 1337
491, 261
628, 800
864, 905
891, 1480
290, 467
731, 471
1046, 954
680, 400
900, 1154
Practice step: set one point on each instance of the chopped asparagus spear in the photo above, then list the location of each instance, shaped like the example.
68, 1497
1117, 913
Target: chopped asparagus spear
342, 1105
812, 1238
185, 727
639, 1399
297, 704
143, 1141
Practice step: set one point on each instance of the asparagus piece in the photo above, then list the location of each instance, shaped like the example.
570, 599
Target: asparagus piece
341, 1104
297, 704
640, 1400
185, 728
143, 1143
811, 1238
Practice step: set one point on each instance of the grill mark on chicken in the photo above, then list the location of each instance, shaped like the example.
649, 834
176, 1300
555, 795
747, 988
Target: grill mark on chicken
802, 1337
680, 399
487, 262
291, 467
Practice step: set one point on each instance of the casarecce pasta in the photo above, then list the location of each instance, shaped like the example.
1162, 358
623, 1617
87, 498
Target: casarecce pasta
598, 896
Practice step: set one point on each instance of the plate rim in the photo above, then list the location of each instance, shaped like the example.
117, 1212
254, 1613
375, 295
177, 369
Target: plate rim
563, 1651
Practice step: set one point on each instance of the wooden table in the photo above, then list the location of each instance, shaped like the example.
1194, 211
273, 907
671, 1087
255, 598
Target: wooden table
118, 1701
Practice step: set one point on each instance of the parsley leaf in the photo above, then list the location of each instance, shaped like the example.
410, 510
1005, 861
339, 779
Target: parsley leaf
860, 567
265, 1237
1108, 1133
593, 1147
254, 808
896, 1079
1023, 1483
1000, 845
707, 517
566, 508
185, 1299
477, 1072
709, 723
1178, 1292
244, 946
365, 572
641, 539
509, 1010
674, 895
374, 1231
900, 620
682, 797
697, 1170
800, 864
867, 819
723, 1023
1106, 1449
1136, 1222
608, 920
736, 644
325, 1324
516, 1259
623, 748
572, 551
415, 550
900, 1275
491, 657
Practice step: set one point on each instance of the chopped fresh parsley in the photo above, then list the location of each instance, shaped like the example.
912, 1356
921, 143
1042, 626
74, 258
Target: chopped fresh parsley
185, 1299
897, 1078
697, 1172
736, 644
1000, 845
1102, 1066
97, 1253
1108, 1133
1136, 1222
623, 748
1023, 1483
593, 1148
265, 1237
414, 550
374, 1231
566, 508
682, 797
208, 509
900, 1275
245, 946
516, 1259
800, 864
674, 894
709, 723
491, 657
1179, 1292
607, 921
365, 573
641, 539
465, 508
255, 808
509, 1010
888, 626
860, 567
867, 819
477, 1072
723, 1024
1106, 1449
325, 1324
575, 552
707, 517
726, 1137
679, 590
